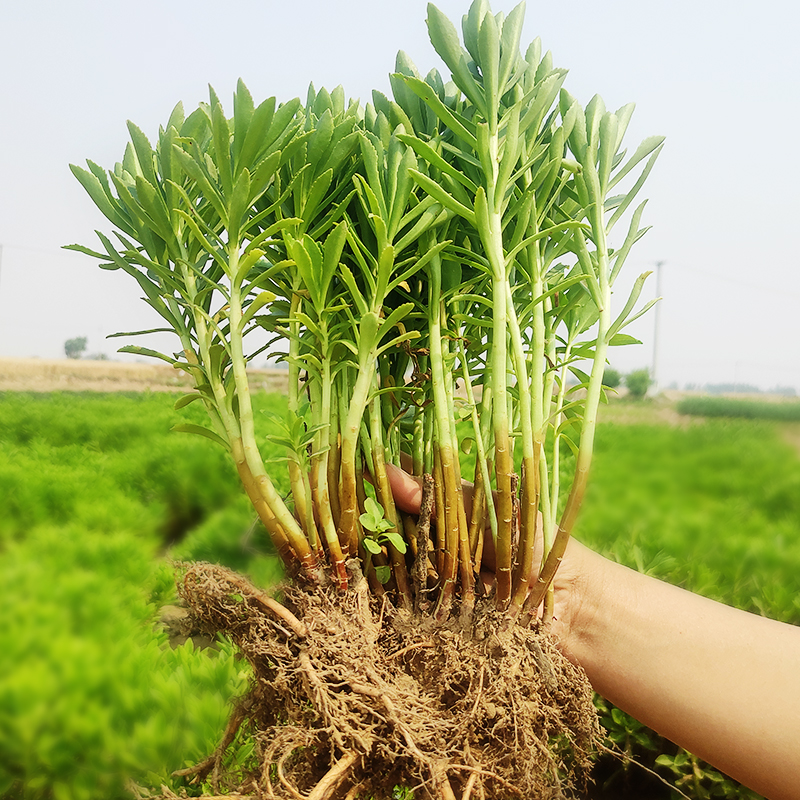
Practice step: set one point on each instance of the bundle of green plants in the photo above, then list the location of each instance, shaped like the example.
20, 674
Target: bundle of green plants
734, 407
438, 258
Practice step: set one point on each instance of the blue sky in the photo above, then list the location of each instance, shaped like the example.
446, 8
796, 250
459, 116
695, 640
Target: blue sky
720, 79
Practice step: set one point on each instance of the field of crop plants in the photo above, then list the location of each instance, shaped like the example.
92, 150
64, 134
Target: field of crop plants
99, 497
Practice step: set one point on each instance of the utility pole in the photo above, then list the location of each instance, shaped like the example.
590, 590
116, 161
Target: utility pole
657, 325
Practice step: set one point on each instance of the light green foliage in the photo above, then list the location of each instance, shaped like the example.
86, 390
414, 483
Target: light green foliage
232, 536
699, 781
378, 531
91, 695
103, 461
714, 507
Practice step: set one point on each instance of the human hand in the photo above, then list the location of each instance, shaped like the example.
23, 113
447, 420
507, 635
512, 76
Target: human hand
569, 584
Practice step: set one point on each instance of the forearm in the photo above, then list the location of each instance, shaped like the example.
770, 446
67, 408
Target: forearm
720, 682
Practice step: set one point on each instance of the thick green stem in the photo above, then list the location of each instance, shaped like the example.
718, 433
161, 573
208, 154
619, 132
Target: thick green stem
480, 507
586, 446
298, 477
531, 453
349, 527
321, 401
252, 456
504, 466
386, 499
453, 510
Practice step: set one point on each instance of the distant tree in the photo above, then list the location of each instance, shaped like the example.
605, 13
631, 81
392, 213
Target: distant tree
612, 378
638, 382
74, 347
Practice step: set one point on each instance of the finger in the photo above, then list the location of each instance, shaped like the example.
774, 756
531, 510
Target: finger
406, 489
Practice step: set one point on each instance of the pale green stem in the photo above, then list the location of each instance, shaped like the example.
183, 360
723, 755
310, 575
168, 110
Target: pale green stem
530, 499
385, 497
443, 411
586, 445
298, 477
349, 526
321, 404
252, 455
479, 444
493, 244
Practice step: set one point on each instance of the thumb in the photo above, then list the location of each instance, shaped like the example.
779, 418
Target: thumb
407, 489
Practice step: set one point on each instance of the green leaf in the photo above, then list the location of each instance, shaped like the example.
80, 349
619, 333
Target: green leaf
397, 541
221, 135
260, 300
249, 141
243, 109
489, 49
629, 197
568, 441
355, 292
634, 234
648, 146
383, 574
369, 543
144, 153
102, 199
622, 319
138, 333
444, 38
194, 166
145, 351
457, 124
238, 206
512, 31
200, 431
579, 374
184, 401
372, 507
320, 138
621, 339
608, 144
315, 196
441, 196
368, 337
435, 159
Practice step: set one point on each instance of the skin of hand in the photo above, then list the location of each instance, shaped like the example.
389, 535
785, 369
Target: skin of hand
720, 682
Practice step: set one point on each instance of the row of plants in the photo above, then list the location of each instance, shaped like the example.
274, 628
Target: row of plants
785, 411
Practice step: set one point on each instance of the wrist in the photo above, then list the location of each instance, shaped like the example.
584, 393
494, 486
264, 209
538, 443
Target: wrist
582, 591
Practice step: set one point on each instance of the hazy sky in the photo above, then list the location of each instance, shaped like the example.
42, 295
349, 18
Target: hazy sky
720, 79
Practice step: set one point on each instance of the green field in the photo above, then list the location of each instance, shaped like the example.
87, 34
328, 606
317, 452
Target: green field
99, 496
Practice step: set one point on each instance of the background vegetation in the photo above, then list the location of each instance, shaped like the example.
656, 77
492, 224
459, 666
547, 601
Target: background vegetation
787, 411
98, 496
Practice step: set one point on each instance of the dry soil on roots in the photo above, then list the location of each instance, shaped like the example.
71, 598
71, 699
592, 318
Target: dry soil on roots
351, 698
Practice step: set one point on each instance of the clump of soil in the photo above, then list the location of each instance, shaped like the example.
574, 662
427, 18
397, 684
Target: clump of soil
351, 698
